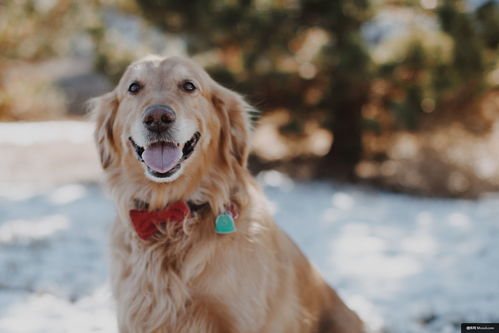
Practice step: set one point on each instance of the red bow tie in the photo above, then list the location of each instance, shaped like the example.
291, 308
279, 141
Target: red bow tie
146, 223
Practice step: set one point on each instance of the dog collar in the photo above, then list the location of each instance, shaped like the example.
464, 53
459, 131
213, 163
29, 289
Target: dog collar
146, 223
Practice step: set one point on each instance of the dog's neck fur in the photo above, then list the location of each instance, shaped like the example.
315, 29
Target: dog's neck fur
193, 206
215, 189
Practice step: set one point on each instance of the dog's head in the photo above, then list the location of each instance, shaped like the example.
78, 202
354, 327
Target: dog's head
167, 121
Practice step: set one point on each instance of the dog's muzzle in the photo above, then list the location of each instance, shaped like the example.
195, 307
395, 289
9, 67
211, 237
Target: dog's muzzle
164, 158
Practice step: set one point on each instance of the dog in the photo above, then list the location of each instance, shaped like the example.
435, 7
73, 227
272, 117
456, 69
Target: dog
194, 247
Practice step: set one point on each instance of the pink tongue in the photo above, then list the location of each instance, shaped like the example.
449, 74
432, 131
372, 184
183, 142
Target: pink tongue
161, 157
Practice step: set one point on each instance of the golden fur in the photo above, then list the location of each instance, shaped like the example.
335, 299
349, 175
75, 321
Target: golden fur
194, 280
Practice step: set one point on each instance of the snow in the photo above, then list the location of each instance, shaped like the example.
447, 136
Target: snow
406, 264
28, 133
53, 261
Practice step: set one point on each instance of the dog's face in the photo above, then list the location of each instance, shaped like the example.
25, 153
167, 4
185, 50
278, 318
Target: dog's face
169, 120
167, 105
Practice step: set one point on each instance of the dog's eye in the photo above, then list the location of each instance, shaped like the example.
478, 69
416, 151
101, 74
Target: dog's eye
134, 88
188, 86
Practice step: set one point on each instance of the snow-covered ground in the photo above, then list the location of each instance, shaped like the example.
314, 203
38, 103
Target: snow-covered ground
405, 264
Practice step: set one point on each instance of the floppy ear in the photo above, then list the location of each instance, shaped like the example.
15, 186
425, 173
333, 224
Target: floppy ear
236, 126
104, 110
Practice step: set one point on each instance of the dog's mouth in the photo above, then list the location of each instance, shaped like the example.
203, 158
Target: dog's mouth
164, 158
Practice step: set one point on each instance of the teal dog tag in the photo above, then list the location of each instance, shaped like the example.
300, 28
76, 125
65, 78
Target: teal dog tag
224, 224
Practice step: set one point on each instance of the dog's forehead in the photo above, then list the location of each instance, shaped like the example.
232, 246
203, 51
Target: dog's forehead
160, 68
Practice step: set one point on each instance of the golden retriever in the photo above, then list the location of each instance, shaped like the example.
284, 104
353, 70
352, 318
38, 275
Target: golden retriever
170, 136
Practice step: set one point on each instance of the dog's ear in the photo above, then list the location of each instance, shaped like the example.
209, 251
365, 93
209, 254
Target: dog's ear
104, 109
234, 114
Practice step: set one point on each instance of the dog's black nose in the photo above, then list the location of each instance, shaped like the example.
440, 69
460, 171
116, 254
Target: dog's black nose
157, 118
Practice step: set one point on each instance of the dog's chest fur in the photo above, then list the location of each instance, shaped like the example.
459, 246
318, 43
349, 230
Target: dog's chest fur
159, 287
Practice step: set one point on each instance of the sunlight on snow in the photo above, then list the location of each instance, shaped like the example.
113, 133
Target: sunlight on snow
38, 229
343, 201
66, 194
420, 244
16, 192
31, 133
90, 314
275, 178
357, 253
368, 312
424, 219
459, 221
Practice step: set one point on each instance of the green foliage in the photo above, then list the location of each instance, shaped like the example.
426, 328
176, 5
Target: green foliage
431, 71
487, 19
262, 33
468, 48
35, 30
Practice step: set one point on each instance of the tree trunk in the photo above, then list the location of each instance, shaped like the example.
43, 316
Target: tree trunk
346, 150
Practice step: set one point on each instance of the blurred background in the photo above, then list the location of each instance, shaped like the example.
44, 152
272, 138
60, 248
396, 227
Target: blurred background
359, 100
402, 93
